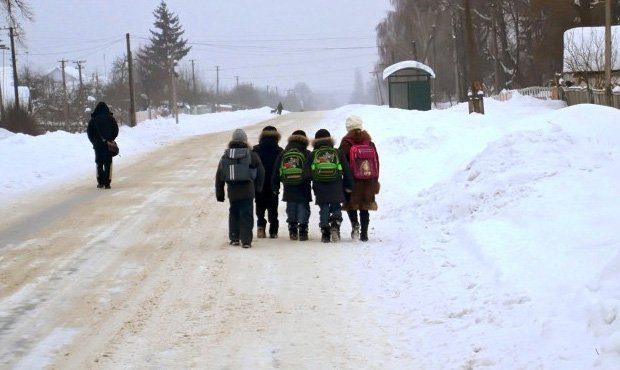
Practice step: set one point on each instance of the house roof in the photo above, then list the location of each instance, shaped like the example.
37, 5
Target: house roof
407, 64
584, 49
71, 74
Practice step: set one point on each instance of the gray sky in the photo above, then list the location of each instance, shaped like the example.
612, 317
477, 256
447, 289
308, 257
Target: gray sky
274, 43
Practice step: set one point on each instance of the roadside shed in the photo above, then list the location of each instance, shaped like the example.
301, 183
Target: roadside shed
409, 85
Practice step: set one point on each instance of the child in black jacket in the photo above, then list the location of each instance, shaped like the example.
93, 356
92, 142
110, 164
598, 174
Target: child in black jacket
329, 192
297, 194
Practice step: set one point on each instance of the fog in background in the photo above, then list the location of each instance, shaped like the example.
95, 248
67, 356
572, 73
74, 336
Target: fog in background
273, 43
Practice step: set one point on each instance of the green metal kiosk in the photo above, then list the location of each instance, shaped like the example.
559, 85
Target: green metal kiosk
409, 85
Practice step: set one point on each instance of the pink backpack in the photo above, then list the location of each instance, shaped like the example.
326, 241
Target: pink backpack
364, 161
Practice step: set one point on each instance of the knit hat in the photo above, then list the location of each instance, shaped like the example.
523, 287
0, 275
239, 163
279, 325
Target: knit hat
322, 133
239, 135
270, 128
354, 122
299, 132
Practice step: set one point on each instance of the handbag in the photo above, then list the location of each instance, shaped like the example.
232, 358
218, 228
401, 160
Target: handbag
113, 148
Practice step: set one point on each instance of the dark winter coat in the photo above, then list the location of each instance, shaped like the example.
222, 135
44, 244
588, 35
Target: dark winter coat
332, 191
102, 127
363, 194
293, 193
240, 190
268, 150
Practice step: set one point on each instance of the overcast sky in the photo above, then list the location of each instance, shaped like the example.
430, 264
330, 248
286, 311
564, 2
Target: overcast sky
274, 43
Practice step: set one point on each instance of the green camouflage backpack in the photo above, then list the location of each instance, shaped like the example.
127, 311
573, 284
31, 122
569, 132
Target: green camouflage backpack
326, 164
292, 167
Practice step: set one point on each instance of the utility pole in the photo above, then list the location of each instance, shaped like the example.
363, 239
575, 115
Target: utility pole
217, 88
496, 65
2, 85
64, 91
132, 100
195, 100
175, 110
608, 52
473, 69
79, 67
15, 83
414, 51
237, 78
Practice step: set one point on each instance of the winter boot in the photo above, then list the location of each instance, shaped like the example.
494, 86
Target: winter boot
303, 232
260, 232
335, 231
273, 230
325, 234
365, 218
355, 231
292, 231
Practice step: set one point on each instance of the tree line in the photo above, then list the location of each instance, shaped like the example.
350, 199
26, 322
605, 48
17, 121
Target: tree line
156, 73
517, 43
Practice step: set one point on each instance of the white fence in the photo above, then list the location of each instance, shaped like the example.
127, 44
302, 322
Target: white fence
539, 92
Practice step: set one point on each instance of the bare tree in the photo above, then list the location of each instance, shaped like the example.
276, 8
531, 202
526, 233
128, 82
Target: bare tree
584, 55
16, 10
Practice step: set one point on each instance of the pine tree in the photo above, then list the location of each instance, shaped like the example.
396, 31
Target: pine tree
166, 49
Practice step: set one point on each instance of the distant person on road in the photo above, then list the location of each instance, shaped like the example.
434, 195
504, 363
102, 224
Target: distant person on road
266, 201
102, 128
289, 169
279, 108
243, 173
365, 172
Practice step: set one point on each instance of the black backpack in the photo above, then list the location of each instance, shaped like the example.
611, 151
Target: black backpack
236, 165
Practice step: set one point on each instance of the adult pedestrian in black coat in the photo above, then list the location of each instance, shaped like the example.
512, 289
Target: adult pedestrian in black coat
266, 201
240, 194
102, 127
297, 197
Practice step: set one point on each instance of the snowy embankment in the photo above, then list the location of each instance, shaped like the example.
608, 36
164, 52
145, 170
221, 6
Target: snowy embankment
495, 244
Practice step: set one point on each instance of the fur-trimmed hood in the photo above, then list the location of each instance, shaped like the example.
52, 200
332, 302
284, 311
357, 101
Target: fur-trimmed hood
357, 136
298, 139
323, 141
269, 134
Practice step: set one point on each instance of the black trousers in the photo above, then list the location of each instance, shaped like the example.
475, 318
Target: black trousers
267, 203
104, 172
241, 220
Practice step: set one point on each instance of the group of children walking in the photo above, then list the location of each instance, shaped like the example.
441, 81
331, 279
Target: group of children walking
341, 178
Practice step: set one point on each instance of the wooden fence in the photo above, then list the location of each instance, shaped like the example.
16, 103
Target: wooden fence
571, 95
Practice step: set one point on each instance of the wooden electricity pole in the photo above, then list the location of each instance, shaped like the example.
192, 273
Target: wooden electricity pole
64, 91
608, 53
132, 100
15, 82
475, 93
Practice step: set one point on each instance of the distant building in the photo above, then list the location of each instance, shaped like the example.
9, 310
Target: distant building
8, 92
72, 77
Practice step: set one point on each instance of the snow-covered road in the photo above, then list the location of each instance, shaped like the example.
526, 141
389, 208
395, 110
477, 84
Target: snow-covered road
141, 276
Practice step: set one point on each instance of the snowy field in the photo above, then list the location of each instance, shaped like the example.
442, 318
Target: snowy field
495, 242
